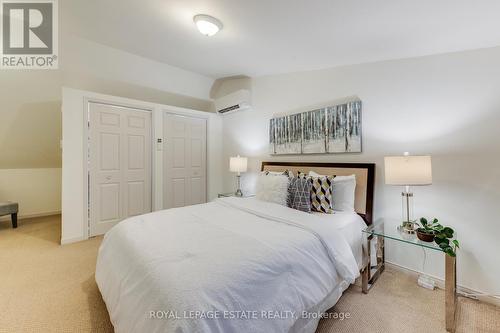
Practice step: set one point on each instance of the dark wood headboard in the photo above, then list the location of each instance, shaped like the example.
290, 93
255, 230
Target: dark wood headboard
365, 179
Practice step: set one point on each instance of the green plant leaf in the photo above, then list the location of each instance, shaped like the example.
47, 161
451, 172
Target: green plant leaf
446, 240
448, 232
438, 240
435, 220
423, 220
449, 251
457, 244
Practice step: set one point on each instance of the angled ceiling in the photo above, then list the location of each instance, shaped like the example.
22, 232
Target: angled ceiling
262, 37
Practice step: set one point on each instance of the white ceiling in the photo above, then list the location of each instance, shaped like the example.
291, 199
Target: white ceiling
262, 37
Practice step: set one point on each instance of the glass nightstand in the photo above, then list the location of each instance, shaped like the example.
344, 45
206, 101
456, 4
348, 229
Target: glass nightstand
232, 194
371, 272
225, 195
377, 229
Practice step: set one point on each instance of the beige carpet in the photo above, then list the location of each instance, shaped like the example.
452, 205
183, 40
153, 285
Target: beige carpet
45, 287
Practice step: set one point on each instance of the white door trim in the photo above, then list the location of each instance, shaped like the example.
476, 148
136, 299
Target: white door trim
74, 169
86, 150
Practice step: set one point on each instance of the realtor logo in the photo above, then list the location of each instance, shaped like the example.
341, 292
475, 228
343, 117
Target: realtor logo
29, 34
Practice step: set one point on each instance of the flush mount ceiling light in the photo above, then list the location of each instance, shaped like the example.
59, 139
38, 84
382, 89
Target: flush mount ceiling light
207, 24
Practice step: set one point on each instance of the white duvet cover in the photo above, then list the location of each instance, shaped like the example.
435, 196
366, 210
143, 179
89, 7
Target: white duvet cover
351, 226
232, 265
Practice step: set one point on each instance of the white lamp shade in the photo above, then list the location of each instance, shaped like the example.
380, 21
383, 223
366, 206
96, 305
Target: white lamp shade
408, 170
238, 164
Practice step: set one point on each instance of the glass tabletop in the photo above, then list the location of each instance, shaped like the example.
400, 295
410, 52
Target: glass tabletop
393, 232
224, 195
231, 194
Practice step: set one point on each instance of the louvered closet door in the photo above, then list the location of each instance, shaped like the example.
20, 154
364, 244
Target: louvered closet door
120, 165
184, 160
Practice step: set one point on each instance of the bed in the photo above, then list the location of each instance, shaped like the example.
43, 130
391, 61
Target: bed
234, 264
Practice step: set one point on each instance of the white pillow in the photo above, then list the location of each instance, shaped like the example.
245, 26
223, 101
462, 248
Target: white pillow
343, 189
272, 189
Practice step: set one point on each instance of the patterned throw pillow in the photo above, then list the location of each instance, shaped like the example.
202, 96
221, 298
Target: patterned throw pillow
299, 194
321, 193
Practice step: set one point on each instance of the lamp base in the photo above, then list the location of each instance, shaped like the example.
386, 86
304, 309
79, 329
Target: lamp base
238, 192
407, 227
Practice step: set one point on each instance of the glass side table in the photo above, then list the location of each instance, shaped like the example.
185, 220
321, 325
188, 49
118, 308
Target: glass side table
225, 195
232, 194
372, 271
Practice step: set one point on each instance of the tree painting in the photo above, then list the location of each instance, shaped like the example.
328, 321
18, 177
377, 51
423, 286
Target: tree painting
334, 129
344, 128
313, 133
286, 134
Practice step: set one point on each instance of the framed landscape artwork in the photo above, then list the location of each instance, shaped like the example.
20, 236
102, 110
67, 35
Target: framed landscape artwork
333, 129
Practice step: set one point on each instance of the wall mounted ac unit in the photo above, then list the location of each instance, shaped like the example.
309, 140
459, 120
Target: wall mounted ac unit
237, 101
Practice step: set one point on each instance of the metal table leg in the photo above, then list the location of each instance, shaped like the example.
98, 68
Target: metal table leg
368, 276
365, 274
450, 291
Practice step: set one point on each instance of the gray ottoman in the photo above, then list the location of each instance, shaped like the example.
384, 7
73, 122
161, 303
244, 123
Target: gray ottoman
10, 208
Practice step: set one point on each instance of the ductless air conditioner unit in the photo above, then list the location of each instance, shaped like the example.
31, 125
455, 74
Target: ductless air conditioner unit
237, 101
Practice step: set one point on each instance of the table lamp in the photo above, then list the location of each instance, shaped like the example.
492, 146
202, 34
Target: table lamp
408, 171
238, 164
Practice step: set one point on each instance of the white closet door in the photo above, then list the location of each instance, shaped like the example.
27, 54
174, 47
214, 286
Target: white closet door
184, 160
120, 165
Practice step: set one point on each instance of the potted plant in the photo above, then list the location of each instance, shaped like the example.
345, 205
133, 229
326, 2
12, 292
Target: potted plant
443, 236
427, 230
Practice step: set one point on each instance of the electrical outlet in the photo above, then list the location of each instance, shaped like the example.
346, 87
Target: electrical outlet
425, 281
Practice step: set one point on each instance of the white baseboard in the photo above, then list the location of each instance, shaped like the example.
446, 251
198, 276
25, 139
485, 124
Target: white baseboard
460, 289
30, 216
72, 240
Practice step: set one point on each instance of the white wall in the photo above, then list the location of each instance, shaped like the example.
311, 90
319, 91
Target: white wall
30, 106
38, 191
447, 106
30, 127
82, 57
74, 173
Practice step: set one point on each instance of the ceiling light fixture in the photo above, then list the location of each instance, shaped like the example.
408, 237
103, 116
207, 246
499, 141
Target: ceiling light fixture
207, 24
